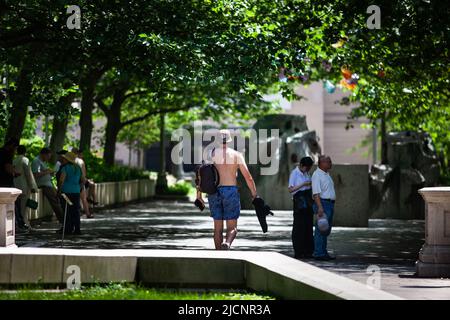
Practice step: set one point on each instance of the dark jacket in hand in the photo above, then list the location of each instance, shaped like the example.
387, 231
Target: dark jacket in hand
262, 210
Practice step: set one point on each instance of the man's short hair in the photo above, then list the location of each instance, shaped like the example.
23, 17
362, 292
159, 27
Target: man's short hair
306, 161
323, 158
21, 149
45, 151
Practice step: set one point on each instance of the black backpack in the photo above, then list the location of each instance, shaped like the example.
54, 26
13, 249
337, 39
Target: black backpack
207, 178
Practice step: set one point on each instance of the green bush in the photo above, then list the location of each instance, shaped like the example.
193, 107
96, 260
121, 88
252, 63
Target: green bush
181, 188
33, 146
99, 171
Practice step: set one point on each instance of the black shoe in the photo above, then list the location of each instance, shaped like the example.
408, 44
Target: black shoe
77, 233
325, 258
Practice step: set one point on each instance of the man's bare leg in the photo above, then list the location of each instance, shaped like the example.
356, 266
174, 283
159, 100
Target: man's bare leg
84, 202
218, 233
231, 231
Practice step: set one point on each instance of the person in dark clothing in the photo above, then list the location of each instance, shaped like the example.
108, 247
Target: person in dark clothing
7, 174
302, 229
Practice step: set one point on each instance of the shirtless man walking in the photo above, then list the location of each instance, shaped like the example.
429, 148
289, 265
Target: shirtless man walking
225, 203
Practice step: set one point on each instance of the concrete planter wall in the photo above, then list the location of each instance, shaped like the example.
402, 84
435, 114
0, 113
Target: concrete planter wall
108, 193
280, 275
434, 257
7, 216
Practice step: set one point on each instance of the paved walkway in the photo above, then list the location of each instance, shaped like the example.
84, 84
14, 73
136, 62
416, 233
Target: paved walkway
392, 245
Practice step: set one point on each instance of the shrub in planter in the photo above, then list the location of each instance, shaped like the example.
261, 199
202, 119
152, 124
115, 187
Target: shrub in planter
99, 171
181, 188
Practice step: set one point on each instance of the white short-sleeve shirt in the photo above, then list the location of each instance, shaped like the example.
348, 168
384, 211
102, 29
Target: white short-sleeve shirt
298, 177
322, 184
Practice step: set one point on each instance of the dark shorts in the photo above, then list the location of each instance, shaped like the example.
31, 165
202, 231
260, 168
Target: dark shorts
225, 204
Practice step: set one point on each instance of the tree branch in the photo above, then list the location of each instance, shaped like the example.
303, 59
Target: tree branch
101, 105
153, 113
136, 93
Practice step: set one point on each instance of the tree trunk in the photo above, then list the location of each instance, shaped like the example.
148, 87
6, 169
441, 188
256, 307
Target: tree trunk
113, 125
58, 136
161, 183
111, 132
129, 154
383, 133
87, 86
60, 124
19, 110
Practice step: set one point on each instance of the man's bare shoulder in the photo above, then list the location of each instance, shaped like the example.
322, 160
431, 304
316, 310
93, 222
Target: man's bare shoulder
237, 156
234, 152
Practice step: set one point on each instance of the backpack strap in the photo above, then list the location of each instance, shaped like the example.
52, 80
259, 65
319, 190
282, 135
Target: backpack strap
217, 175
197, 177
216, 172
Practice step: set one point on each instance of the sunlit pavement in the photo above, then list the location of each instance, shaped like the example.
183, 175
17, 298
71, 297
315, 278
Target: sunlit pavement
390, 245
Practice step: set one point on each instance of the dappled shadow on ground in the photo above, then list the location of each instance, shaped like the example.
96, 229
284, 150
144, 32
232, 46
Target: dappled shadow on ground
391, 245
178, 225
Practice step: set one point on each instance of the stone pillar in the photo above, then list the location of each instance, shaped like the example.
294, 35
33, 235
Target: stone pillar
434, 257
7, 217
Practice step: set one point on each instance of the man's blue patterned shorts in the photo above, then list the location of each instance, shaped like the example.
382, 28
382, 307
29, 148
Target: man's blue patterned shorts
225, 204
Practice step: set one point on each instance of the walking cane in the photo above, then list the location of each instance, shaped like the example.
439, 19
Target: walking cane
68, 202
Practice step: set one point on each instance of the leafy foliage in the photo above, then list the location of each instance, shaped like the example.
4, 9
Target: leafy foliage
181, 188
218, 58
101, 172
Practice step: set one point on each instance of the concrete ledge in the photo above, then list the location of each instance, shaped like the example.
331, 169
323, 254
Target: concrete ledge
191, 272
5, 268
275, 273
36, 268
108, 194
102, 269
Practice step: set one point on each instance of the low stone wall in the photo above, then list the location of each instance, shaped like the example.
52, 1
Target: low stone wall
108, 194
351, 182
282, 276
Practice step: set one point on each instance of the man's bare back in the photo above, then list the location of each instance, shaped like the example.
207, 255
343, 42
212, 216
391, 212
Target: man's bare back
225, 203
228, 161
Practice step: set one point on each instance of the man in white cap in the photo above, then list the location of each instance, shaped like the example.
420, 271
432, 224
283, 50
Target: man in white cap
225, 203
324, 197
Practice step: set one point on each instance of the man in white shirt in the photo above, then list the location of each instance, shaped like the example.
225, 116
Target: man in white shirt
302, 227
324, 198
43, 176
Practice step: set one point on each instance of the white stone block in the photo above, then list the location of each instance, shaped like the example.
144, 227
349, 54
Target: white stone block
434, 257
